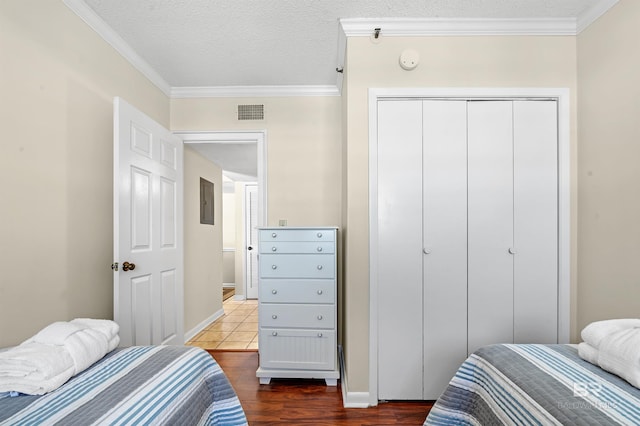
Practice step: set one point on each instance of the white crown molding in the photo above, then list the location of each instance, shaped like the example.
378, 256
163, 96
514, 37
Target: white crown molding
87, 14
252, 91
589, 16
407, 27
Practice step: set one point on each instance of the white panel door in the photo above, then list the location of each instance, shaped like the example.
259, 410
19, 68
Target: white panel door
490, 221
148, 179
445, 242
251, 235
400, 250
535, 222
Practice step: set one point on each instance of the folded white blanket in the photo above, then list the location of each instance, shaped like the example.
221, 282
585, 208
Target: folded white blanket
107, 327
55, 334
596, 331
34, 368
619, 354
588, 353
87, 340
56, 353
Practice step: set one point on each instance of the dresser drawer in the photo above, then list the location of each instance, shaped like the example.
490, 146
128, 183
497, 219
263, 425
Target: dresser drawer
298, 291
297, 247
297, 266
297, 316
297, 235
297, 349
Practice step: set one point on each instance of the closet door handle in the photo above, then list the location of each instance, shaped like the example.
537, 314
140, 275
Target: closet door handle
512, 250
426, 250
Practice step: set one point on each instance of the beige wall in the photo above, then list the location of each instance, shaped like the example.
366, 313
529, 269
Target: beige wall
229, 235
609, 166
202, 243
303, 150
445, 62
229, 214
57, 83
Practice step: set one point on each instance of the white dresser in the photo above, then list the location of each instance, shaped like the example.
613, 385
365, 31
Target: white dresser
298, 304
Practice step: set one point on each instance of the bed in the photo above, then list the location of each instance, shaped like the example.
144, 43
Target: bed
528, 384
175, 385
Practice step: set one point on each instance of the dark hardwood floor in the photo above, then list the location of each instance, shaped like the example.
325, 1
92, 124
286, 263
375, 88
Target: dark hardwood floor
306, 402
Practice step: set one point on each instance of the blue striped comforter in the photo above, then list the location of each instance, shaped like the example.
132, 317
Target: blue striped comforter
138, 385
534, 385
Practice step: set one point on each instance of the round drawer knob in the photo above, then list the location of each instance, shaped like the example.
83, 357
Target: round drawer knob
319, 248
319, 267
274, 249
319, 334
319, 292
274, 316
274, 235
275, 333
274, 291
319, 234
319, 317
274, 266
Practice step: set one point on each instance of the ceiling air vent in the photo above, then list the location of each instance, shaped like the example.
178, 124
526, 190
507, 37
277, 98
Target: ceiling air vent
250, 112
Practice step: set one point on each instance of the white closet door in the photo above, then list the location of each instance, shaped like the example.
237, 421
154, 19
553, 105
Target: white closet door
445, 242
400, 249
535, 222
490, 203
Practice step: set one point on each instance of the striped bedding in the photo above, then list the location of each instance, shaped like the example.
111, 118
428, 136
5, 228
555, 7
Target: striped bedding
534, 385
174, 385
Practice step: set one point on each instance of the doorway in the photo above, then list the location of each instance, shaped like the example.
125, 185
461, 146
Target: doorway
242, 157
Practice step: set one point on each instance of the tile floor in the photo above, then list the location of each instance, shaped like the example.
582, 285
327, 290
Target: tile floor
236, 329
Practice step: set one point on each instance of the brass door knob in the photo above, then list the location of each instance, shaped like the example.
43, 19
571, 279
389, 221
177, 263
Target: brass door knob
126, 266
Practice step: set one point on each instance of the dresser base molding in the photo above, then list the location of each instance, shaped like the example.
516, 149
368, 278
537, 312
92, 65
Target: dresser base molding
330, 376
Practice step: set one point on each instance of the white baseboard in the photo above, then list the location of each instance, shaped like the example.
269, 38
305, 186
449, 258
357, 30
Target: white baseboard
239, 297
198, 328
228, 285
350, 399
355, 399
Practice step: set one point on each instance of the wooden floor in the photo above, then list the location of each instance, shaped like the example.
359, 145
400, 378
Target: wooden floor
306, 402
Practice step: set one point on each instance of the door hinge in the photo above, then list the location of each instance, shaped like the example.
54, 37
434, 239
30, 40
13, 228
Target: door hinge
114, 266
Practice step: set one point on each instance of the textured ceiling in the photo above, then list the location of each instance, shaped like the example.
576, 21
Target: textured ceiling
211, 43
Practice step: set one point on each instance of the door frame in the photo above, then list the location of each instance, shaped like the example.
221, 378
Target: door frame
259, 137
562, 96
